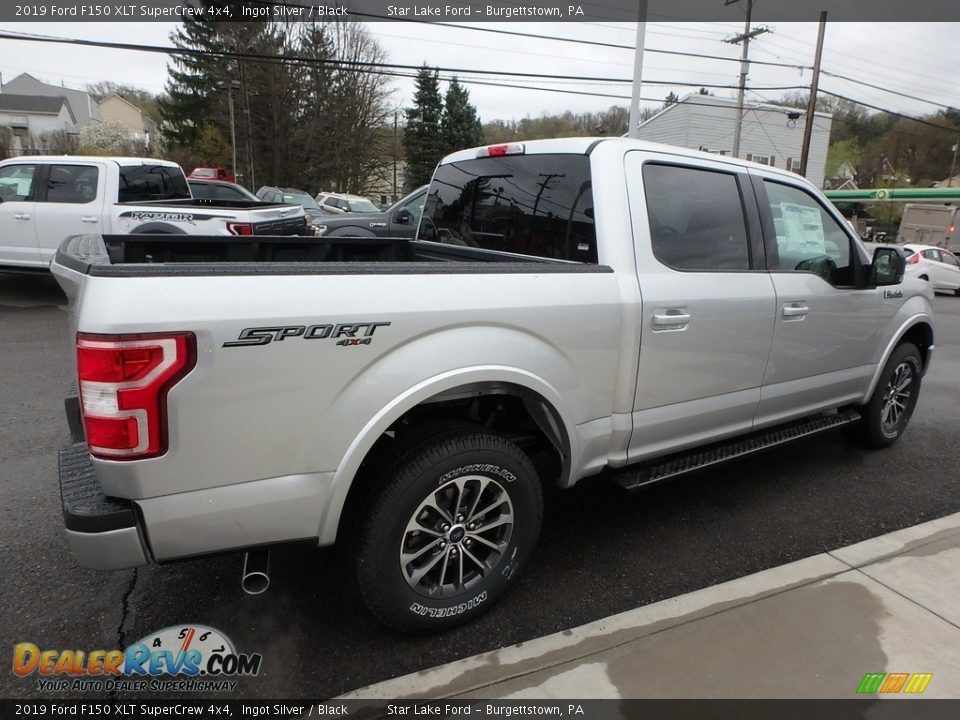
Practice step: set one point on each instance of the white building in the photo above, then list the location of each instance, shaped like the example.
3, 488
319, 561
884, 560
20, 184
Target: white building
82, 106
771, 134
30, 117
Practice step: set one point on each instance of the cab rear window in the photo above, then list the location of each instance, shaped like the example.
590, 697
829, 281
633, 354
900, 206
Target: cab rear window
140, 183
539, 205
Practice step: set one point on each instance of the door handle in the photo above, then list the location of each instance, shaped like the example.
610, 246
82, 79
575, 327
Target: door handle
671, 319
88, 219
795, 310
21, 216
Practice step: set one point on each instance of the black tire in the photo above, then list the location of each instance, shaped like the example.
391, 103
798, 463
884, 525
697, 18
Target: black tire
881, 426
471, 469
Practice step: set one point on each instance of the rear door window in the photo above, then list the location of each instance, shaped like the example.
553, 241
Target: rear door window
696, 218
72, 184
142, 183
539, 205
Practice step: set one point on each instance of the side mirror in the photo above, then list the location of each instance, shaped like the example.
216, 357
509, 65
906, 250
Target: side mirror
888, 267
403, 217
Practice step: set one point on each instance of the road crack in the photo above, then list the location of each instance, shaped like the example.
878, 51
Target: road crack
125, 611
121, 628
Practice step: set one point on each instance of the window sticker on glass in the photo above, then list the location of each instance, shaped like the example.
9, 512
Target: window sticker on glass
800, 229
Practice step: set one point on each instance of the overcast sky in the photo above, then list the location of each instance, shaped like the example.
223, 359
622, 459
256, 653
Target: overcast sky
918, 59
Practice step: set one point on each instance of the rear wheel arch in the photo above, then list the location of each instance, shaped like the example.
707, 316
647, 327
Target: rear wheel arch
516, 412
157, 228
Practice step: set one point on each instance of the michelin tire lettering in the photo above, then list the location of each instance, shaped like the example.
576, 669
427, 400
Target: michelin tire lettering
478, 468
444, 612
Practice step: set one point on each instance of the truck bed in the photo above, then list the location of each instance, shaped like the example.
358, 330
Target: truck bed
150, 255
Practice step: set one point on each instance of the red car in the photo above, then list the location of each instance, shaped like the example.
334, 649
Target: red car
210, 173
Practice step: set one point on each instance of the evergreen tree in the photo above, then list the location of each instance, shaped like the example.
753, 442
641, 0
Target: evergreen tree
460, 127
423, 144
192, 97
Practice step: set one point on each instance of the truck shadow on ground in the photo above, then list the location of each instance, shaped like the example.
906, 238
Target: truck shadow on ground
30, 290
601, 551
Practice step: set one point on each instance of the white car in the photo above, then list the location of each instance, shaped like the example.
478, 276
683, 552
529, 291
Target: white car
941, 267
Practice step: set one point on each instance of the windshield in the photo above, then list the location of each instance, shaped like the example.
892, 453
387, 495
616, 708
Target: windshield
204, 172
300, 199
362, 206
540, 205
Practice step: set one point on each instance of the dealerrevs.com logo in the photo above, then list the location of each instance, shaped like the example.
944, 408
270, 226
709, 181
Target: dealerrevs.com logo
181, 658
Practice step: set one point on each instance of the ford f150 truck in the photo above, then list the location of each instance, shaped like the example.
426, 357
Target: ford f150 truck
45, 199
569, 307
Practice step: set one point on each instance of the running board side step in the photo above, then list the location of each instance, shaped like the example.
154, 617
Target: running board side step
637, 476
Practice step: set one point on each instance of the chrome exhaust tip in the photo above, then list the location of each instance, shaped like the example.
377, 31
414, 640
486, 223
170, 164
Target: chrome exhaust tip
256, 572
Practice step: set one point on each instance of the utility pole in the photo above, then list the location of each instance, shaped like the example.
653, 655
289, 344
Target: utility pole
395, 155
953, 163
245, 96
812, 101
745, 38
231, 86
633, 131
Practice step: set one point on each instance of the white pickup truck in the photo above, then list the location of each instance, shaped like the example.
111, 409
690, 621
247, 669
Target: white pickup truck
571, 307
45, 199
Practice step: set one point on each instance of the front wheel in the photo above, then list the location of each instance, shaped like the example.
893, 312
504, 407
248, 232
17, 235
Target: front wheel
449, 531
886, 416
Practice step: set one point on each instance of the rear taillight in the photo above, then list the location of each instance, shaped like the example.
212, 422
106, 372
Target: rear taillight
914, 259
124, 381
236, 228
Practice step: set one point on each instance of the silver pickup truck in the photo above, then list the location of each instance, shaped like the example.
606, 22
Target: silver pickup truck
569, 307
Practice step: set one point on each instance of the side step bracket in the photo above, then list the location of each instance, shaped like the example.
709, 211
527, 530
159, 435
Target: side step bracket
637, 476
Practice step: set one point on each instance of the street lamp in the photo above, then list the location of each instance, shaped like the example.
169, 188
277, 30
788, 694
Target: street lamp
230, 87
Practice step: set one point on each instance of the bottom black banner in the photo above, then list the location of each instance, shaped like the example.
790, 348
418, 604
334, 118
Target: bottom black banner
868, 709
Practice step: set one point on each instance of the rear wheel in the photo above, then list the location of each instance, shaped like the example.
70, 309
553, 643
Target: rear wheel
886, 416
448, 532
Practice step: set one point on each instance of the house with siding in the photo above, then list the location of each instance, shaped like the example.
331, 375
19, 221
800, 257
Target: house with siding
30, 117
770, 134
140, 127
83, 107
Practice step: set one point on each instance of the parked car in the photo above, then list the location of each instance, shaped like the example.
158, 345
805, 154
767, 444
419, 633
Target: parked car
293, 196
571, 306
45, 199
400, 220
941, 267
211, 173
337, 203
219, 190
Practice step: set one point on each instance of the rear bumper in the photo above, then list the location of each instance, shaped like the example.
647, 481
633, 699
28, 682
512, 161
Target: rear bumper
102, 531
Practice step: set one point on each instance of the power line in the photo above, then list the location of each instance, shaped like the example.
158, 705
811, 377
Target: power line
886, 90
680, 53
352, 64
595, 43
953, 130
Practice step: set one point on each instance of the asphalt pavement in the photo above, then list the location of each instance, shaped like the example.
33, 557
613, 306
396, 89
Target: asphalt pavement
601, 551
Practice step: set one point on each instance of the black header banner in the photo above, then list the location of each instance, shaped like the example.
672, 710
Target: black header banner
476, 10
